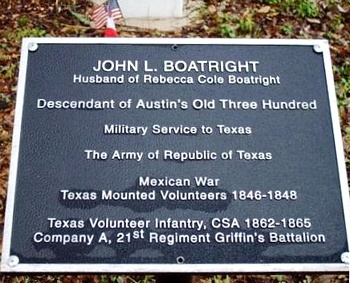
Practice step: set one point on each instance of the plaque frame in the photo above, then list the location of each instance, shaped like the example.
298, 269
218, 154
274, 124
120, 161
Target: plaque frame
10, 263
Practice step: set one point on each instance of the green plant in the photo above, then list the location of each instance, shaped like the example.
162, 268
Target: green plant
23, 21
203, 11
4, 57
24, 32
307, 9
336, 22
5, 98
80, 17
279, 278
230, 24
227, 30
301, 8
343, 86
227, 18
329, 35
289, 5
226, 25
217, 279
343, 92
104, 279
111, 279
221, 279
246, 24
146, 279
8, 71
287, 29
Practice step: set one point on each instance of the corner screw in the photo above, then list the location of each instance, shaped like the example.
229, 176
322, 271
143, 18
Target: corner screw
180, 260
345, 257
32, 46
13, 261
318, 48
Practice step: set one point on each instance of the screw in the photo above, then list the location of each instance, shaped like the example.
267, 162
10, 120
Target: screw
345, 257
32, 46
13, 261
318, 48
180, 259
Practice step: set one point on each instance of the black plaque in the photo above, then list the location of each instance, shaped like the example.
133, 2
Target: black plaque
176, 156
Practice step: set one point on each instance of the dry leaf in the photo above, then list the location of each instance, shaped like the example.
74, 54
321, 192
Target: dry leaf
342, 10
313, 21
264, 10
212, 9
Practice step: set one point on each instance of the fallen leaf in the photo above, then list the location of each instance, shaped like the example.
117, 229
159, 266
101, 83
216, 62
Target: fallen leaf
313, 21
80, 17
342, 10
264, 10
212, 9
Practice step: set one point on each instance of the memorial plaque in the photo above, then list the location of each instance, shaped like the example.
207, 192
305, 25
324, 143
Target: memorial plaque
176, 155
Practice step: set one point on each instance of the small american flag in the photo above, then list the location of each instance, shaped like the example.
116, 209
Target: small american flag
103, 11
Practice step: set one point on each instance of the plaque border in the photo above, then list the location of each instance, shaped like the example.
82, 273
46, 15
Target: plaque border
10, 263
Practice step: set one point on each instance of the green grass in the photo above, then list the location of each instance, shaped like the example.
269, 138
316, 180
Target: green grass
246, 24
301, 8
231, 26
24, 32
287, 29
307, 9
